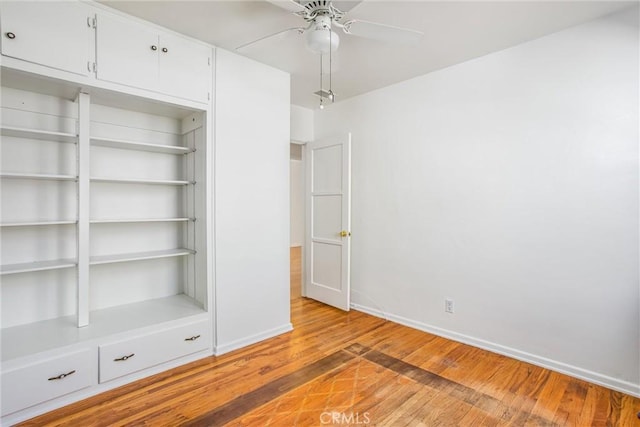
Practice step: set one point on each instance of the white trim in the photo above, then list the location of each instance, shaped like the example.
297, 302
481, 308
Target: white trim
252, 339
554, 365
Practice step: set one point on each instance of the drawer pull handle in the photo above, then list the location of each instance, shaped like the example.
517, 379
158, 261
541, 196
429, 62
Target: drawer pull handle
165, 50
123, 358
154, 47
193, 338
11, 35
61, 376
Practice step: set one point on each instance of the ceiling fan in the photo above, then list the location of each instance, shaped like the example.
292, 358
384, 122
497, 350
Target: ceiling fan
323, 15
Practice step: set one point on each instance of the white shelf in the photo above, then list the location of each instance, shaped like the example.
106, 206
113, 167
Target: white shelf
141, 146
142, 181
43, 135
38, 176
139, 256
37, 223
33, 338
37, 266
131, 220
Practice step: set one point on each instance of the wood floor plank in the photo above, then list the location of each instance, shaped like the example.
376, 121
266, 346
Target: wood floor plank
393, 374
246, 402
295, 262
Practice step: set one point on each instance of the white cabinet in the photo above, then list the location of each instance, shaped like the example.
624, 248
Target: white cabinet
136, 55
55, 34
184, 68
131, 355
127, 52
90, 41
105, 208
42, 381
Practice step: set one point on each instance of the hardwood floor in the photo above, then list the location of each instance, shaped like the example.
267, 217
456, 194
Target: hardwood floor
340, 368
295, 260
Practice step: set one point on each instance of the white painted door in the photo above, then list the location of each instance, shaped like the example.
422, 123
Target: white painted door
328, 205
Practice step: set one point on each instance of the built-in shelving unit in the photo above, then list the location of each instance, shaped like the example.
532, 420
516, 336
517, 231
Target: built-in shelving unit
100, 200
105, 204
145, 171
39, 213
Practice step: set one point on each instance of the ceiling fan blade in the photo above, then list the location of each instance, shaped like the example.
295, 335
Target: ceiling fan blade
345, 5
382, 32
275, 36
288, 5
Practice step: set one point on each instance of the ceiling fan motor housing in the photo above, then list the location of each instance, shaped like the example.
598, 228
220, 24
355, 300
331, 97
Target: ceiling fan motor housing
319, 37
320, 7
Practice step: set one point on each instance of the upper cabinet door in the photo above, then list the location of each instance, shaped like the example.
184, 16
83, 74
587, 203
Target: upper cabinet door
126, 52
55, 34
137, 55
185, 68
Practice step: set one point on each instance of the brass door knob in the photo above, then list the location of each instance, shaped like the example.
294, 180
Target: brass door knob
345, 233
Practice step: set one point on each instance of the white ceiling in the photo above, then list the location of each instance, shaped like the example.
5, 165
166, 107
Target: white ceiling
455, 31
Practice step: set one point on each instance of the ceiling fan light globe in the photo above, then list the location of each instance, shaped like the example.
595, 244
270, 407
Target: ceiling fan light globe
319, 40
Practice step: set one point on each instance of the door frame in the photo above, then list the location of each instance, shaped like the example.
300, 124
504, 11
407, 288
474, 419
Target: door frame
303, 163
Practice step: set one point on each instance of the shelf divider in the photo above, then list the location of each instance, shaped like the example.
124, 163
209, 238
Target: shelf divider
140, 146
38, 223
84, 165
132, 220
139, 256
27, 267
43, 135
37, 176
142, 181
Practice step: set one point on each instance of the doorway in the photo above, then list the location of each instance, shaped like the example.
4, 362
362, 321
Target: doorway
297, 216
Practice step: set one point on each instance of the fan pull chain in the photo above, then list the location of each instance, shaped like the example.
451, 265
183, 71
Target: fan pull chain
321, 106
330, 54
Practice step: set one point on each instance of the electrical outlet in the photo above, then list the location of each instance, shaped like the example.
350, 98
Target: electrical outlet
448, 305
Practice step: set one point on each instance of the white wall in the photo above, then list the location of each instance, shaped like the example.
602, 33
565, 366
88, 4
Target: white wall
251, 201
301, 124
510, 184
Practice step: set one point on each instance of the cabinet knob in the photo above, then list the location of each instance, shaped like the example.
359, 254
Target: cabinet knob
11, 35
123, 358
165, 50
154, 47
61, 376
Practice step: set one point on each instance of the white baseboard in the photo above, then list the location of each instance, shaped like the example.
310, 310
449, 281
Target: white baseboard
243, 342
554, 365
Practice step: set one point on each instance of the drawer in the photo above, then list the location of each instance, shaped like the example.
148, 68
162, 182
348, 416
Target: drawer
134, 354
39, 382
